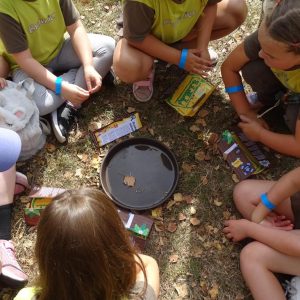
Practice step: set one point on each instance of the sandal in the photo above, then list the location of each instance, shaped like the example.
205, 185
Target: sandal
143, 90
21, 183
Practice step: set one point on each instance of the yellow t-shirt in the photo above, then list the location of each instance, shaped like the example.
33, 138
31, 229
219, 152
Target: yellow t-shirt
43, 25
167, 20
290, 79
29, 293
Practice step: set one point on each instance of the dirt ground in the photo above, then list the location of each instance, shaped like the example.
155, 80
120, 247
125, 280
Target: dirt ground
196, 261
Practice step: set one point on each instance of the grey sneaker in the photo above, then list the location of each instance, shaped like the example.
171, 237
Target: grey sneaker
62, 121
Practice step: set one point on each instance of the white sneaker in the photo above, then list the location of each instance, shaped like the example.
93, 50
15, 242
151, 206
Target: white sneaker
292, 289
213, 56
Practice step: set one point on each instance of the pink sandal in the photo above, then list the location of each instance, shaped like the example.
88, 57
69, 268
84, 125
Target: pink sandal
143, 90
21, 183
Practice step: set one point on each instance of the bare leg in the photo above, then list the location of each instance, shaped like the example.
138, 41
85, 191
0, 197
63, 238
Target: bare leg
131, 64
259, 262
230, 15
246, 196
7, 185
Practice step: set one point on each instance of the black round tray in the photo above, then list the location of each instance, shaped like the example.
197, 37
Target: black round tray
152, 164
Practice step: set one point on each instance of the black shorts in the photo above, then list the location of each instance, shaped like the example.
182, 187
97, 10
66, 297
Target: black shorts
295, 203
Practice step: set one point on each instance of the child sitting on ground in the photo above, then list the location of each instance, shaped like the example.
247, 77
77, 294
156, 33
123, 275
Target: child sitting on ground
34, 44
158, 29
277, 245
83, 252
11, 183
269, 60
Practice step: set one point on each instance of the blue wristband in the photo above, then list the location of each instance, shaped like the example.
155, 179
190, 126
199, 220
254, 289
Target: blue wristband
183, 57
266, 202
234, 89
58, 83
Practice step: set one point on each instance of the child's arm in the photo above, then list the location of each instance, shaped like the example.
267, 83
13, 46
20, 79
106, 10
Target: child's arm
287, 242
40, 74
286, 186
4, 67
156, 48
284, 143
4, 71
230, 74
83, 49
205, 26
152, 272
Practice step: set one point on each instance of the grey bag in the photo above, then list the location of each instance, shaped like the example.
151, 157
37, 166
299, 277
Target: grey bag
19, 112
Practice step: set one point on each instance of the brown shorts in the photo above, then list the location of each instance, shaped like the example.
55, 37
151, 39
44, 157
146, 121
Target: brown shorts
295, 203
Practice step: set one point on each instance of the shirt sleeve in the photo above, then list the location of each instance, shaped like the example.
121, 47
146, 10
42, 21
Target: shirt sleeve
210, 2
138, 20
252, 46
12, 34
70, 12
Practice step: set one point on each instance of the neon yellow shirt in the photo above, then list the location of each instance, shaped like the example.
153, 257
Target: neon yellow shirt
173, 21
43, 25
290, 79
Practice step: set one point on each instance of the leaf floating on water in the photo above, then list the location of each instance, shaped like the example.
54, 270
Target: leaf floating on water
129, 180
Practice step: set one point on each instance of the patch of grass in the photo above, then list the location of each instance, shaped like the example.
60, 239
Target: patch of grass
218, 263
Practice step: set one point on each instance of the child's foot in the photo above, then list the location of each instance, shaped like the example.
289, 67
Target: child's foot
62, 121
11, 272
143, 90
21, 183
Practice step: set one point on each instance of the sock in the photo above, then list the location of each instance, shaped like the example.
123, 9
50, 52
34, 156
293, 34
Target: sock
5, 221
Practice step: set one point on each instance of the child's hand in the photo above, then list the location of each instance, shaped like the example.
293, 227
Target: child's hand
277, 222
75, 94
93, 79
3, 83
197, 64
236, 230
252, 128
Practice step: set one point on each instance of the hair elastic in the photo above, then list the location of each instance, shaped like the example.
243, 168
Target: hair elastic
183, 57
266, 202
234, 89
58, 84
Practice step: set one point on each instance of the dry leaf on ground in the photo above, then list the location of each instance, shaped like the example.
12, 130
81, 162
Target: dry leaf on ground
178, 197
200, 155
181, 217
214, 291
130, 109
235, 178
203, 113
217, 202
182, 289
187, 168
172, 227
173, 258
195, 221
194, 128
192, 210
50, 147
156, 212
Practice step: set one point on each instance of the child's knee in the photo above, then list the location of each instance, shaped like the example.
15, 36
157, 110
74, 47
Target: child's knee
238, 11
251, 255
239, 192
